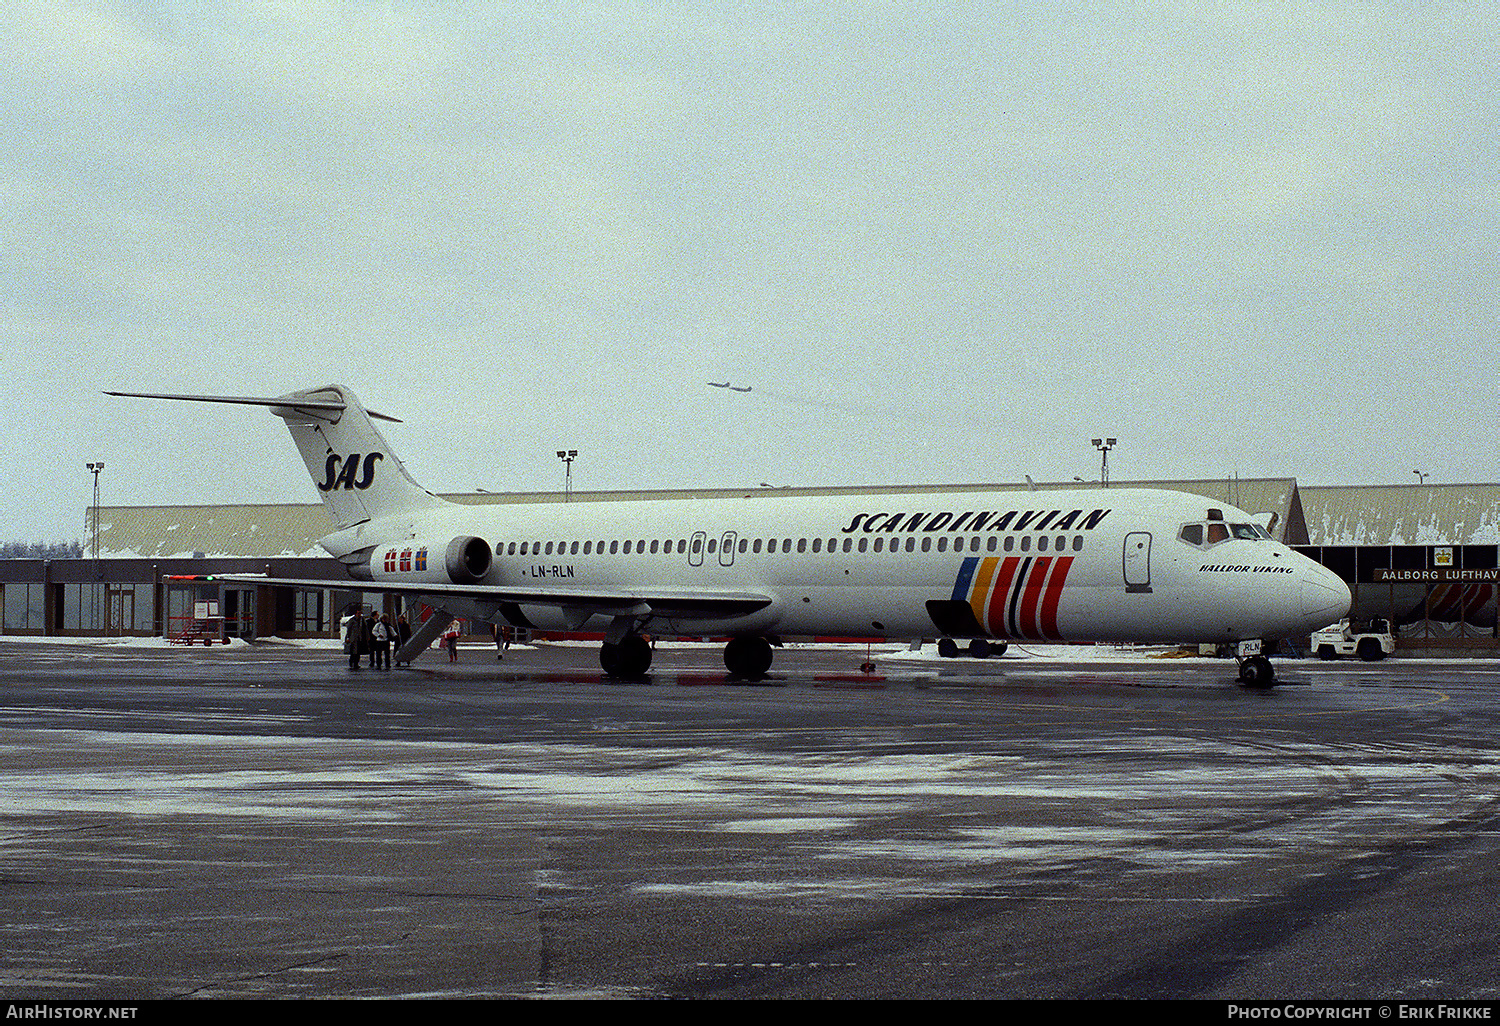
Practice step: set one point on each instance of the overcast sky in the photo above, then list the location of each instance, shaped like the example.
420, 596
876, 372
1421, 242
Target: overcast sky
941, 242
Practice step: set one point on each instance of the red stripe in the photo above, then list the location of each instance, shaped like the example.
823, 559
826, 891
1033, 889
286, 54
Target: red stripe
1054, 593
1034, 581
1000, 597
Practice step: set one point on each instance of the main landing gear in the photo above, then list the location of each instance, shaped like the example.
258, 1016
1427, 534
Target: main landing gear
748, 658
631, 657
978, 648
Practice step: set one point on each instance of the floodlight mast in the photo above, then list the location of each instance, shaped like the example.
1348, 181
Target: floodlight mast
1104, 445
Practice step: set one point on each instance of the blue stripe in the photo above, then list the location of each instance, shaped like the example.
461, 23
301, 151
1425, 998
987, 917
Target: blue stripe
965, 579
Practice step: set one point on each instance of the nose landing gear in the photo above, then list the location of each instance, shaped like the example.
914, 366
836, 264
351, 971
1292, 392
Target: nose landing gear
1256, 672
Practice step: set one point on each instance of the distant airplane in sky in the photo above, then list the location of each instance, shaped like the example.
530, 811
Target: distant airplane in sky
732, 388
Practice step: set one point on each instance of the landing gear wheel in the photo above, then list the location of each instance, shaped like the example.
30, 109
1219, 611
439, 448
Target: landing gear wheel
947, 648
979, 648
748, 658
1257, 672
630, 658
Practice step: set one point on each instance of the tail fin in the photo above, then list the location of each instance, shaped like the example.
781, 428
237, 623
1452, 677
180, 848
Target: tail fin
357, 475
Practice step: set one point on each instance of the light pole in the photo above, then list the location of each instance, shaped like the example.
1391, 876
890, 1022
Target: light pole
95, 468
567, 456
1422, 476
1104, 445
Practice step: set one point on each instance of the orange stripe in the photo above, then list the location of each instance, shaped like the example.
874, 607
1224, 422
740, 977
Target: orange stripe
979, 595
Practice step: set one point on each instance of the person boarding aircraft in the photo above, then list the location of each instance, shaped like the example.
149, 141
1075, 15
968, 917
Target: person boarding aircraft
1112, 565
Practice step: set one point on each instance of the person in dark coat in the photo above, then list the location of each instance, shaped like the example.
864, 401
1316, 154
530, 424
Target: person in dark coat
403, 633
369, 636
354, 634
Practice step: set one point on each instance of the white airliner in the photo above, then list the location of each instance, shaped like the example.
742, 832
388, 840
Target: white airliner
1082, 565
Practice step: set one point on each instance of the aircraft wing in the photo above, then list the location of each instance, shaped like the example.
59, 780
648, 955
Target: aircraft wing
607, 601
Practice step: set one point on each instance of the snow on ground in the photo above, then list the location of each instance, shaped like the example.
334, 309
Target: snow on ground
884, 650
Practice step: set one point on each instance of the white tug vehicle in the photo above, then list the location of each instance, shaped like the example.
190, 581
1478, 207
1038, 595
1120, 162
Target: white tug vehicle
1371, 640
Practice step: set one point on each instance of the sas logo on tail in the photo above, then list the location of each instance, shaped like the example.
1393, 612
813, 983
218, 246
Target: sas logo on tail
348, 472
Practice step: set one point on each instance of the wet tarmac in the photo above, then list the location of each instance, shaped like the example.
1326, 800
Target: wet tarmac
263, 822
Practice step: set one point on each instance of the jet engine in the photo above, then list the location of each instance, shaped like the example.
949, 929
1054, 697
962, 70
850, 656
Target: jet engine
463, 560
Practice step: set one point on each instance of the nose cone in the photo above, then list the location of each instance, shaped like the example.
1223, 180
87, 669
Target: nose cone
1325, 598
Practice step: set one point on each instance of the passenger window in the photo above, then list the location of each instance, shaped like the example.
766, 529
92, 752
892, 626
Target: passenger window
879, 544
1026, 543
864, 543
817, 544
942, 544
1041, 544
614, 547
993, 544
926, 544
801, 544
848, 544
1010, 542
1078, 543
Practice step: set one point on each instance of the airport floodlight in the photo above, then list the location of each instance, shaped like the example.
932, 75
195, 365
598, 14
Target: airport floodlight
95, 468
567, 456
1104, 445
1422, 476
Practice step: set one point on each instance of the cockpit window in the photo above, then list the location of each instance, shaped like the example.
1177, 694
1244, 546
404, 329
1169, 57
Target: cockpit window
1216, 531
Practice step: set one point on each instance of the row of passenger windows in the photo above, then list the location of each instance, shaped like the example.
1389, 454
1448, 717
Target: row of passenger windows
1043, 543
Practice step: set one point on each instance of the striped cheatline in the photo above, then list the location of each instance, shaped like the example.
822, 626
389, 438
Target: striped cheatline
1014, 596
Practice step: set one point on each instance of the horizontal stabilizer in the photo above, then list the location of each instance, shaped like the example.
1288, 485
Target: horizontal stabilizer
286, 402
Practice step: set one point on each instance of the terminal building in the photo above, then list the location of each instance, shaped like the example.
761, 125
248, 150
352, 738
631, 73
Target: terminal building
1422, 556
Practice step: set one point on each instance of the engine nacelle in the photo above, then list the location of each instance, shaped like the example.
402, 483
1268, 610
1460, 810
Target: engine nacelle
461, 561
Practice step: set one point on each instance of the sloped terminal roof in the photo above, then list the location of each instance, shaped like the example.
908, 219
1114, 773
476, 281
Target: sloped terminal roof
1457, 514
292, 530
